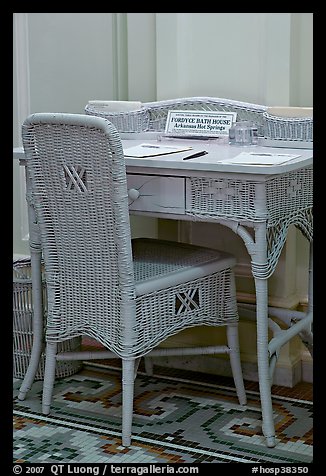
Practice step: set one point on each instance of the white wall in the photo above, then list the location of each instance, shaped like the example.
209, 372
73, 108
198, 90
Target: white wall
301, 90
245, 56
72, 58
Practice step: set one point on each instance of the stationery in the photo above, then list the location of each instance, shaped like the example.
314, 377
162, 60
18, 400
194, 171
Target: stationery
151, 150
116, 106
257, 158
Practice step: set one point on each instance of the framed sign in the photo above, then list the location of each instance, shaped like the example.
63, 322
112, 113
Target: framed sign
199, 123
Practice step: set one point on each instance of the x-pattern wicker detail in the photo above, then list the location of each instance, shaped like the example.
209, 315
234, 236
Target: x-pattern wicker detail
220, 191
293, 188
75, 178
187, 301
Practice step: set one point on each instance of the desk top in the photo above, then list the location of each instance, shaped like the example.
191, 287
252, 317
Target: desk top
211, 161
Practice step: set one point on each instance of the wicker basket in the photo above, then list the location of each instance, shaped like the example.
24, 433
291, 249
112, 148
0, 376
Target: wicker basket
288, 128
128, 121
22, 327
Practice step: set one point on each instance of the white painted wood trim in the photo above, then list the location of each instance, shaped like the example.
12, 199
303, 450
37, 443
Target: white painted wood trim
23, 101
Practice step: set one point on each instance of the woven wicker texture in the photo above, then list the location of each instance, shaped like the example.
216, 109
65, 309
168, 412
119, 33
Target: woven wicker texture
129, 121
152, 116
130, 296
288, 128
23, 331
289, 201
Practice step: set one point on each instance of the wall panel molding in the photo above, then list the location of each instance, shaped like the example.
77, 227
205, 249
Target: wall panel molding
23, 103
22, 68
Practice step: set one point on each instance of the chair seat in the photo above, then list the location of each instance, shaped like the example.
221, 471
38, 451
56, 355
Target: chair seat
159, 264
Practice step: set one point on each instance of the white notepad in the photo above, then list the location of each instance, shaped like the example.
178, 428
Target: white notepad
151, 150
255, 158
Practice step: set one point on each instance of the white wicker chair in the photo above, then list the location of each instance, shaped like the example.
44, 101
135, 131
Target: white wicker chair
130, 295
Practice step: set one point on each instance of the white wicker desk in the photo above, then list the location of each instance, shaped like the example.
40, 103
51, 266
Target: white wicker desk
258, 203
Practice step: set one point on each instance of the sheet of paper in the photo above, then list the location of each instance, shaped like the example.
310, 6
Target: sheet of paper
151, 150
255, 158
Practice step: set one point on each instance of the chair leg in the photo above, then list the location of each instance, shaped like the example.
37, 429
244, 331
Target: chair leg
233, 344
37, 322
49, 376
31, 370
128, 371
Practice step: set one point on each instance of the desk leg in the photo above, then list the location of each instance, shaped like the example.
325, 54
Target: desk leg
259, 267
265, 382
37, 299
257, 249
297, 323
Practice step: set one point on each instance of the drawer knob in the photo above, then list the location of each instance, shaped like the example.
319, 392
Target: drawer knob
133, 193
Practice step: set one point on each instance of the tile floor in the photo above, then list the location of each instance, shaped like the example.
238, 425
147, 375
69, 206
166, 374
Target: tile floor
84, 424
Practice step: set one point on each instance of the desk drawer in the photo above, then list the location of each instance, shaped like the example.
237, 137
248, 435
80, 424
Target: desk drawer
150, 193
277, 198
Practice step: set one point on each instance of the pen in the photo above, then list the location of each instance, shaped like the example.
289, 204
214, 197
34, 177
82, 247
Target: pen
194, 156
149, 146
267, 155
270, 155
